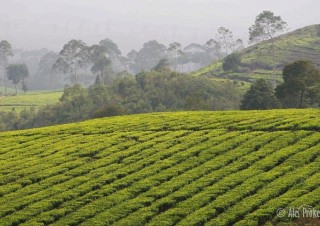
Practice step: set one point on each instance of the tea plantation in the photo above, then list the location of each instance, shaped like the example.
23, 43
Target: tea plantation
184, 168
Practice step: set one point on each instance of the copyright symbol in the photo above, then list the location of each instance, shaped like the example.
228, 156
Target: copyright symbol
281, 212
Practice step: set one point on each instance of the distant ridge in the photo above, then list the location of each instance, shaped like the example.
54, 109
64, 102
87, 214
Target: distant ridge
303, 43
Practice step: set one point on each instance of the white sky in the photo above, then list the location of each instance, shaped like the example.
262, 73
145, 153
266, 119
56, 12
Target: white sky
33, 24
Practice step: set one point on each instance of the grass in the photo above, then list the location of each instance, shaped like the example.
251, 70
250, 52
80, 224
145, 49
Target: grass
34, 99
184, 168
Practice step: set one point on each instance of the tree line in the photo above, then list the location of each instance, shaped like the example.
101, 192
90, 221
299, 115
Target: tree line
17, 73
300, 89
157, 90
162, 89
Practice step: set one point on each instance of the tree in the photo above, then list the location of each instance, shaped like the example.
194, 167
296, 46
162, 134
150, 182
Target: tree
267, 26
5, 52
45, 76
231, 62
162, 66
102, 67
175, 49
260, 96
238, 45
225, 36
110, 47
113, 53
213, 47
17, 73
24, 87
301, 87
148, 56
76, 96
71, 59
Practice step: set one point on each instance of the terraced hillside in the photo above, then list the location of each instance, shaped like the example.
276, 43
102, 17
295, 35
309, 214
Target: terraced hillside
300, 44
188, 168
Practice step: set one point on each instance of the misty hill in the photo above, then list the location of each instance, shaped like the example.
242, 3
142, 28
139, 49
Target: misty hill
256, 60
187, 168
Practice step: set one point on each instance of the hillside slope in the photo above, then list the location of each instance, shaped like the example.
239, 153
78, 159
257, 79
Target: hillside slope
188, 168
300, 44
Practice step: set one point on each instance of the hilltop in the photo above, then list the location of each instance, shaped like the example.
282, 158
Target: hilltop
256, 60
185, 168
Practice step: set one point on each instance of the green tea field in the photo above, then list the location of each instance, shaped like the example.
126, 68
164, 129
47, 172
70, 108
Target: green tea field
30, 99
184, 168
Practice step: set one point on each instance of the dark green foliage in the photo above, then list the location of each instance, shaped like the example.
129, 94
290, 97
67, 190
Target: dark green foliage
102, 67
231, 62
152, 91
301, 85
163, 65
9, 120
110, 110
260, 96
17, 73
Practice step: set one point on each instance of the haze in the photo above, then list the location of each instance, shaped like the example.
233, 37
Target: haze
35, 24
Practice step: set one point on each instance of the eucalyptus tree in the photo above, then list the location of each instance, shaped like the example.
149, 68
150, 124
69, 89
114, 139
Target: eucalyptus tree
225, 36
102, 67
213, 48
5, 52
113, 53
71, 58
266, 27
175, 49
110, 47
148, 56
17, 74
101, 62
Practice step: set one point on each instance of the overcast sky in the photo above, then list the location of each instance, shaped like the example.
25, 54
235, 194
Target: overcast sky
33, 24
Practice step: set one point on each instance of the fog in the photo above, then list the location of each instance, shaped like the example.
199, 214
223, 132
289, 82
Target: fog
34, 24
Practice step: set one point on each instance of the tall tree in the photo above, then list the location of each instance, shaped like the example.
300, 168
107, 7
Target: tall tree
102, 67
110, 47
267, 26
5, 52
225, 36
113, 53
176, 51
71, 59
260, 96
213, 47
101, 64
45, 76
148, 56
238, 45
301, 87
17, 73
